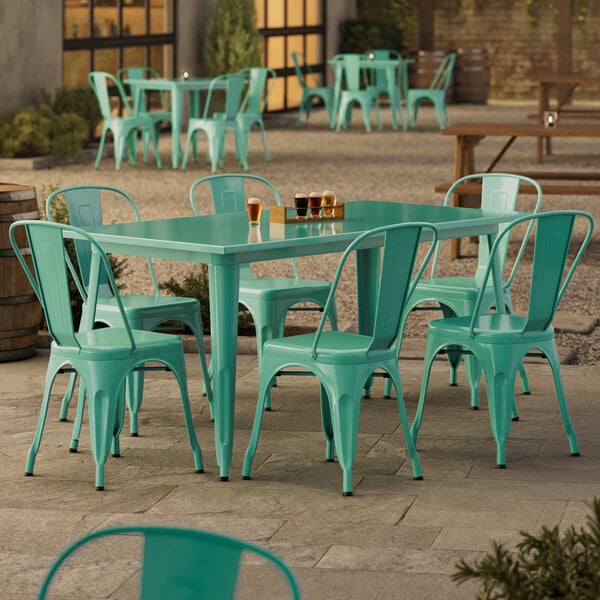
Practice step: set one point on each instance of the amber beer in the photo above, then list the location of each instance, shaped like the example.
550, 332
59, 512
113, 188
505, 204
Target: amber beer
254, 208
328, 203
314, 203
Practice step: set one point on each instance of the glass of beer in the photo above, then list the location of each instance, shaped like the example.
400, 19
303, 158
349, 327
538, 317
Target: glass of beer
301, 204
254, 208
314, 203
328, 203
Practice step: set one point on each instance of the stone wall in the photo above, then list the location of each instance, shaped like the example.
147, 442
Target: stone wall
517, 50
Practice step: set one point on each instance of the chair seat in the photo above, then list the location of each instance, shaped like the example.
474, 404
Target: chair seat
500, 328
282, 288
151, 305
446, 288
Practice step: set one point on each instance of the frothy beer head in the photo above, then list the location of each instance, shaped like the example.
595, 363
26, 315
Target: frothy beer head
254, 208
328, 203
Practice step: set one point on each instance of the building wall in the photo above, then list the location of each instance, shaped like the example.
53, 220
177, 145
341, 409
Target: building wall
31, 50
517, 51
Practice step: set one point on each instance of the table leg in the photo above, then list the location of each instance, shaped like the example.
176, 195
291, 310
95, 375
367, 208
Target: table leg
543, 106
224, 282
177, 113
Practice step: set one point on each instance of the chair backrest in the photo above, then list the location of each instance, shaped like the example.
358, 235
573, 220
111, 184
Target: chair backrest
50, 272
84, 208
443, 74
260, 83
101, 82
499, 192
141, 73
550, 274
348, 71
303, 70
234, 90
185, 564
228, 195
399, 273
378, 77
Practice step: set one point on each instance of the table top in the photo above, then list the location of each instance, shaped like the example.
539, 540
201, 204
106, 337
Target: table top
227, 238
168, 83
524, 129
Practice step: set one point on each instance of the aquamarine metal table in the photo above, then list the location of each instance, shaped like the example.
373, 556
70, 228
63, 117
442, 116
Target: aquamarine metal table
178, 88
225, 241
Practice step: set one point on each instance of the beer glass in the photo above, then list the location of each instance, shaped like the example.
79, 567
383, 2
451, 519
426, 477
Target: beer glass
314, 203
254, 208
328, 203
301, 204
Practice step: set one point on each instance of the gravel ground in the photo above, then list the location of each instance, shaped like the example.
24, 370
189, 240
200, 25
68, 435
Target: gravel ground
388, 165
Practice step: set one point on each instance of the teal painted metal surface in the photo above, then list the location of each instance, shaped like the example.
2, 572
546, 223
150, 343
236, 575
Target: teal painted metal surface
310, 92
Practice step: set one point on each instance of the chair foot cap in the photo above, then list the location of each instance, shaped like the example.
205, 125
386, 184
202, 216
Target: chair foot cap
575, 454
73, 450
246, 477
118, 455
501, 466
268, 409
28, 473
224, 478
526, 393
136, 434
474, 407
515, 419
330, 459
199, 470
387, 397
346, 494
63, 420
420, 478
453, 384
99, 488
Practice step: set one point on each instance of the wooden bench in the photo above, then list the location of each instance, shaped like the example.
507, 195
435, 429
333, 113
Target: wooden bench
557, 183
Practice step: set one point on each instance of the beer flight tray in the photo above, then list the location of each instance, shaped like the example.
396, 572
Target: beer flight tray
287, 214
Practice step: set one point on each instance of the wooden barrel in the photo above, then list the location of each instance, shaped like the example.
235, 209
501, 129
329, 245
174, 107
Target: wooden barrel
20, 312
471, 76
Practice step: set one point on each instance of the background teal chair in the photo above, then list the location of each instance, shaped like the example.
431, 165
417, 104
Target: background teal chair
394, 88
349, 91
344, 361
144, 311
500, 341
310, 91
435, 93
260, 82
124, 128
457, 296
157, 116
268, 299
216, 124
102, 357
177, 563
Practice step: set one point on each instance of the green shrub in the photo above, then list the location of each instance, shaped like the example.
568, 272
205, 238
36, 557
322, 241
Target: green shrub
81, 101
546, 565
359, 35
195, 285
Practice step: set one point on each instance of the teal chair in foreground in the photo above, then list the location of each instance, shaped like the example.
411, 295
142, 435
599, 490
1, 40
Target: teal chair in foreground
104, 357
217, 124
124, 128
344, 361
176, 563
456, 296
310, 92
435, 93
268, 299
84, 204
349, 91
500, 341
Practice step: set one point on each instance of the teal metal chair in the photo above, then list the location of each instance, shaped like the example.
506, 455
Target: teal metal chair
260, 82
215, 126
344, 361
310, 92
500, 341
124, 128
177, 563
394, 88
435, 93
456, 296
349, 92
268, 299
102, 357
144, 311
158, 116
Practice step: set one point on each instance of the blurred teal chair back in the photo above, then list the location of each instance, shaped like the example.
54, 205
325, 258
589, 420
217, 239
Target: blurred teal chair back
177, 563
216, 124
457, 295
102, 357
310, 91
84, 205
260, 82
343, 361
349, 91
500, 341
435, 93
268, 299
124, 128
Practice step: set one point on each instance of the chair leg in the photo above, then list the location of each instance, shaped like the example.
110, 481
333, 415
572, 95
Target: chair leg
264, 142
184, 157
66, 401
427, 363
327, 425
78, 421
134, 392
